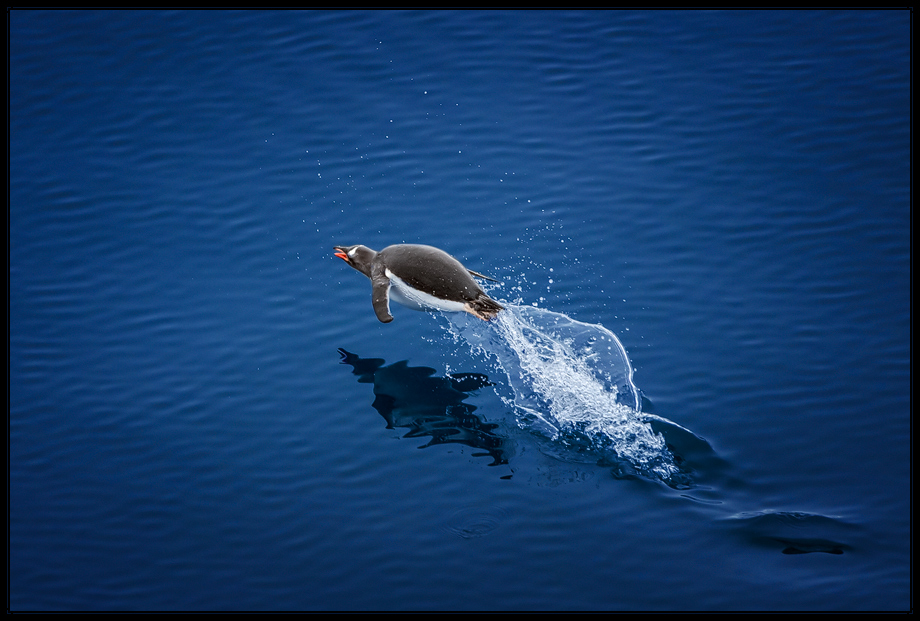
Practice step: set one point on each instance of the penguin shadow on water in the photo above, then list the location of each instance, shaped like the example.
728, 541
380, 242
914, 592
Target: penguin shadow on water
427, 405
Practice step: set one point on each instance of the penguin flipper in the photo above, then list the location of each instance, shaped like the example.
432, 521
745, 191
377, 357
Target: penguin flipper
483, 276
380, 296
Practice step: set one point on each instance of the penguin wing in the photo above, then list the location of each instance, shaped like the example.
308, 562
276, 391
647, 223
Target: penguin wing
483, 276
380, 294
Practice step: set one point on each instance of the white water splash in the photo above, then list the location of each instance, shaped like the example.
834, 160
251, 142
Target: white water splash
573, 382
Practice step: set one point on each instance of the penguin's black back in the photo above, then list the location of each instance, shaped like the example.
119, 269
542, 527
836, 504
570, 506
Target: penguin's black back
430, 270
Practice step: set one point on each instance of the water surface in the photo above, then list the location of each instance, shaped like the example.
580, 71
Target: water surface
205, 414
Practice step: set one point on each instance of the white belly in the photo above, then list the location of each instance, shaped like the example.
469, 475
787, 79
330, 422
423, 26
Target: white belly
403, 294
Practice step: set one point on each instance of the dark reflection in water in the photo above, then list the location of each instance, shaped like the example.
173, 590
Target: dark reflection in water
414, 398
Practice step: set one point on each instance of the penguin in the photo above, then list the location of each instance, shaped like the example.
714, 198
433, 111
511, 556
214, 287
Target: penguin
419, 277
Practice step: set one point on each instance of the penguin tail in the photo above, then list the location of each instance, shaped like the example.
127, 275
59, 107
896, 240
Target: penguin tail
484, 307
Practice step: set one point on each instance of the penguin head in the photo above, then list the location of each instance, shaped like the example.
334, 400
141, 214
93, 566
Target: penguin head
359, 257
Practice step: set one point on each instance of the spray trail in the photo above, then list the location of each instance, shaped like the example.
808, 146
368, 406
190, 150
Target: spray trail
572, 382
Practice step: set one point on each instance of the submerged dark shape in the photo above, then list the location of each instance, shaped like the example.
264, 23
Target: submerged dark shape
419, 277
795, 532
414, 398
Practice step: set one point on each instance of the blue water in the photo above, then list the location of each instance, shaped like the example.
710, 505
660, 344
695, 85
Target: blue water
205, 413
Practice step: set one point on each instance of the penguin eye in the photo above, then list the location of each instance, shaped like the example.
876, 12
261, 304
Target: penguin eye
352, 252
